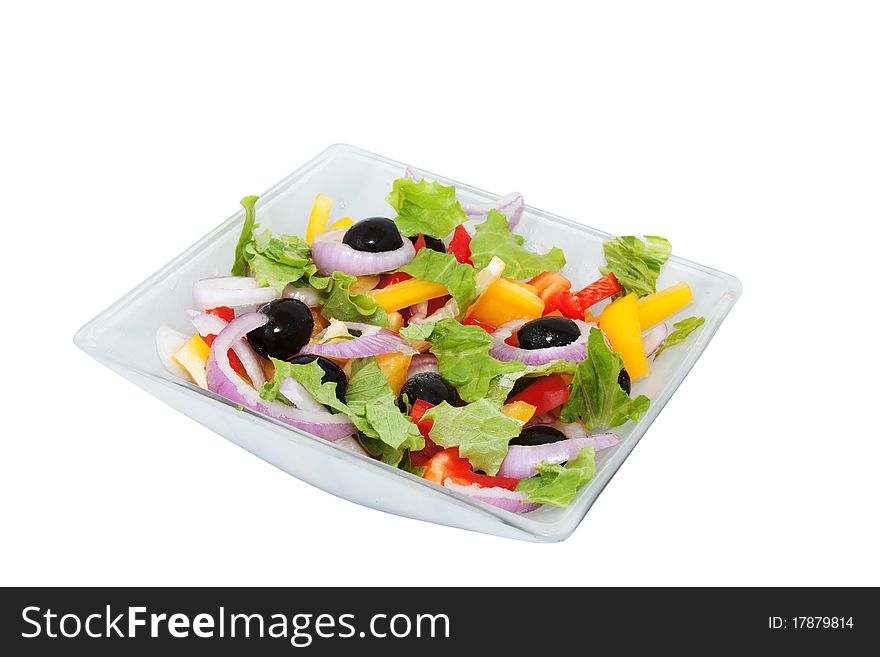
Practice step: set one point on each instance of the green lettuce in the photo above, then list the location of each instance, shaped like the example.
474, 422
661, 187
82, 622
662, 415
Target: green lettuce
425, 207
557, 484
682, 330
369, 404
443, 268
479, 430
463, 356
635, 263
501, 386
374, 410
493, 238
339, 303
239, 264
596, 398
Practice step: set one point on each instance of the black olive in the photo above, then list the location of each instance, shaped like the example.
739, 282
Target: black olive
373, 235
548, 332
538, 434
624, 381
288, 330
332, 372
430, 242
429, 386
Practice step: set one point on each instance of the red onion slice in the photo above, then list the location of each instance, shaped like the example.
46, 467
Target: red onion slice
411, 174
207, 324
500, 350
509, 500
308, 295
421, 364
232, 291
226, 383
330, 254
511, 206
168, 343
576, 431
654, 338
373, 341
521, 460
296, 393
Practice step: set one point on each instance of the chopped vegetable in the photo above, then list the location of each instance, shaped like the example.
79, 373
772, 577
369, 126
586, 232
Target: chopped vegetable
345, 222
545, 394
394, 368
635, 263
460, 245
340, 303
656, 307
407, 293
445, 269
575, 305
595, 395
193, 357
319, 217
505, 301
239, 263
425, 207
448, 465
620, 322
493, 238
520, 410
557, 484
480, 430
682, 330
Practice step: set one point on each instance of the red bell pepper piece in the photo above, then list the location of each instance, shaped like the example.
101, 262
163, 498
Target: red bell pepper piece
424, 455
234, 360
391, 279
460, 245
420, 242
470, 321
576, 304
545, 394
225, 313
449, 465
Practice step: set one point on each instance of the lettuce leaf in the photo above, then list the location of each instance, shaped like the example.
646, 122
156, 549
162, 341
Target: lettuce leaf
339, 303
596, 398
635, 263
369, 404
479, 430
463, 356
425, 207
239, 264
373, 409
501, 386
443, 268
682, 330
557, 484
493, 238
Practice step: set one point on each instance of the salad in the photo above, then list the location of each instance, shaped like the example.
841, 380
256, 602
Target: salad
435, 341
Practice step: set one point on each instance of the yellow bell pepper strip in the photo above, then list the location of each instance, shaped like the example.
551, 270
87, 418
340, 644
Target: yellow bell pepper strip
407, 293
395, 322
656, 307
193, 357
519, 410
345, 222
393, 368
504, 301
620, 323
363, 284
319, 217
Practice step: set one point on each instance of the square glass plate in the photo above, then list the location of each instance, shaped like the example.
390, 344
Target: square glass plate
122, 337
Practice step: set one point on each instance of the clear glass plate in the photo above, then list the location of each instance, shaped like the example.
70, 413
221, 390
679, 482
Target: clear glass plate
123, 338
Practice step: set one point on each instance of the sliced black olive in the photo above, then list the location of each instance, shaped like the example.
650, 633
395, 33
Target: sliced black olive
548, 332
538, 434
429, 386
430, 242
624, 381
288, 330
332, 372
373, 235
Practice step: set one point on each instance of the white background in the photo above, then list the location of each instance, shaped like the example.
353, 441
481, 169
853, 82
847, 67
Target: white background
746, 132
